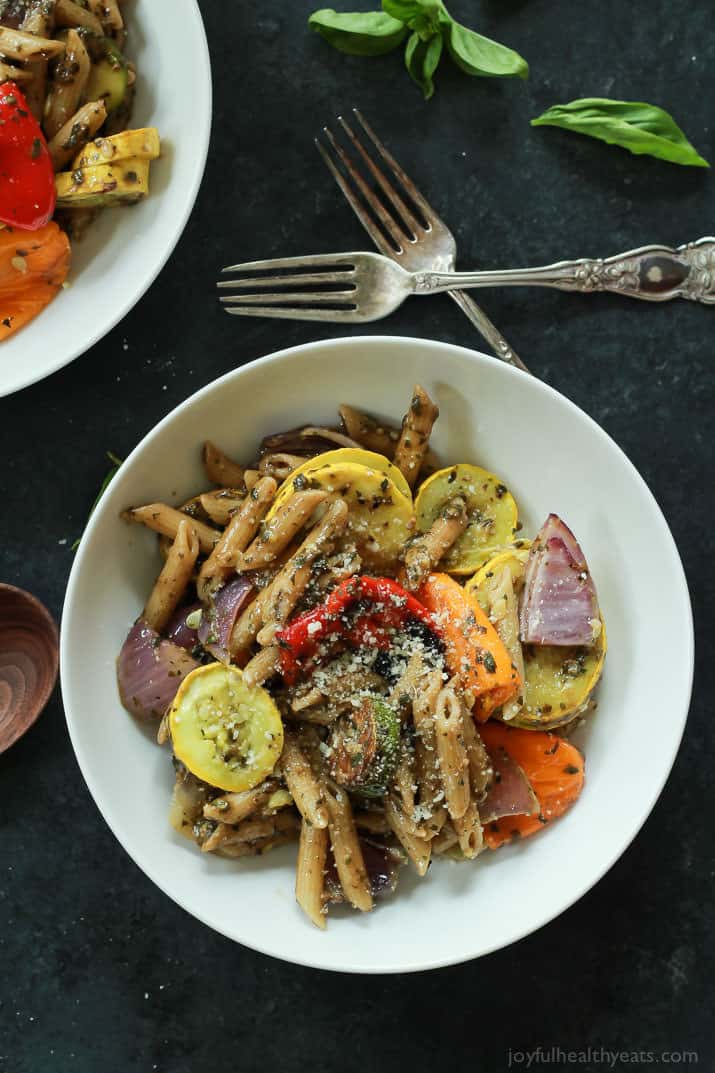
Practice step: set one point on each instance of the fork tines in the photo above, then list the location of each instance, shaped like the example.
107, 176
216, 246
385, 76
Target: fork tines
307, 288
388, 219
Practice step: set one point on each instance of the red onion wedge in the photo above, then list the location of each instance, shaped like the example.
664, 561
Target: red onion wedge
219, 618
511, 793
178, 629
559, 605
150, 671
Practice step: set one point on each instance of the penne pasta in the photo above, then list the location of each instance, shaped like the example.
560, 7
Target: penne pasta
107, 11
308, 793
427, 770
375, 823
234, 807
220, 469
9, 73
369, 433
257, 848
172, 582
451, 750
69, 13
424, 553
166, 520
67, 84
504, 614
468, 829
77, 131
281, 530
445, 840
221, 504
280, 465
21, 45
250, 830
310, 872
263, 666
417, 848
414, 438
222, 562
480, 766
347, 852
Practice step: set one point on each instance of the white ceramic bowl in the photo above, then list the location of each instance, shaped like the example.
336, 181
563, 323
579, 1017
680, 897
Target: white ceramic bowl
553, 457
125, 249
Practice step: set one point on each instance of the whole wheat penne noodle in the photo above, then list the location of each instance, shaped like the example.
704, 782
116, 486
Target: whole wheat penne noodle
221, 504
282, 603
504, 613
451, 750
166, 520
175, 575
404, 783
281, 530
446, 839
279, 464
308, 793
469, 833
241, 529
310, 872
67, 84
430, 795
14, 74
275, 603
347, 852
234, 807
107, 11
76, 132
264, 665
414, 437
424, 553
22, 45
369, 433
257, 848
220, 469
480, 765
410, 682
375, 823
39, 17
251, 477
251, 830
418, 849
163, 734
68, 13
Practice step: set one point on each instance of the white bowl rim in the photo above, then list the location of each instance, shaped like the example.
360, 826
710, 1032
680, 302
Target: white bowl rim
203, 62
626, 837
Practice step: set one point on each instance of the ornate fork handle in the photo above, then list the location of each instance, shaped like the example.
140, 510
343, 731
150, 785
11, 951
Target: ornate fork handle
653, 273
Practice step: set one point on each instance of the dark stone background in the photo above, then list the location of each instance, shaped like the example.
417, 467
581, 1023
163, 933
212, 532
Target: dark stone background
98, 970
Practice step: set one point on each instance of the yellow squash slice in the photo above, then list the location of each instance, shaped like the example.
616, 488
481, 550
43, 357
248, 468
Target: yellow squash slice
491, 508
381, 518
226, 733
104, 185
355, 456
143, 143
559, 680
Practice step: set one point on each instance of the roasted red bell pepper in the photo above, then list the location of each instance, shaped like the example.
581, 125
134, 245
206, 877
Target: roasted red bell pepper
27, 178
360, 611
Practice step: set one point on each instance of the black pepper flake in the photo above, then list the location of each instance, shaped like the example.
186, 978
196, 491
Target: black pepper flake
571, 769
36, 148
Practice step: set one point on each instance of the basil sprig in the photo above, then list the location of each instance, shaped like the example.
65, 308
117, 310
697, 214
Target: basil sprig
429, 28
640, 128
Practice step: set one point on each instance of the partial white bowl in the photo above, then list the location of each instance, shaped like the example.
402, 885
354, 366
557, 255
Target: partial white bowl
126, 248
554, 458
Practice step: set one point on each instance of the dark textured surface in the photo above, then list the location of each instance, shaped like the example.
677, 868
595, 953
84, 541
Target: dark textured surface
99, 970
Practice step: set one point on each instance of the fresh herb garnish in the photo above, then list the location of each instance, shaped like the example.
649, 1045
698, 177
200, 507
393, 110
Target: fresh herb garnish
640, 128
116, 463
429, 28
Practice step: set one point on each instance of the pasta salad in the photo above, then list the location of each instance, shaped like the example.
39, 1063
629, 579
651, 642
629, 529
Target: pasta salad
353, 647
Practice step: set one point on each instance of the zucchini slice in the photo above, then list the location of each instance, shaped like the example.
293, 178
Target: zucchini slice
104, 185
143, 144
226, 733
558, 680
365, 748
381, 518
109, 77
491, 508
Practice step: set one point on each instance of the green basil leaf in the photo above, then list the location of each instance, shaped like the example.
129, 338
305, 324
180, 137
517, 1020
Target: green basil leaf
422, 59
424, 17
359, 33
640, 128
479, 55
116, 463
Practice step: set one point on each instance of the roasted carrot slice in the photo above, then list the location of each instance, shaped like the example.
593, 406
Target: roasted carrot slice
33, 267
554, 768
474, 650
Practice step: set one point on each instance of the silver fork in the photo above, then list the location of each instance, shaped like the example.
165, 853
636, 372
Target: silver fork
418, 245
358, 287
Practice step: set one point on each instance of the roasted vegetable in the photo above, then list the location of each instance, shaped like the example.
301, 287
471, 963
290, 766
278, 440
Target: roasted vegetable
490, 506
473, 649
558, 680
108, 79
228, 734
352, 456
142, 144
554, 768
104, 185
33, 267
381, 517
364, 748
